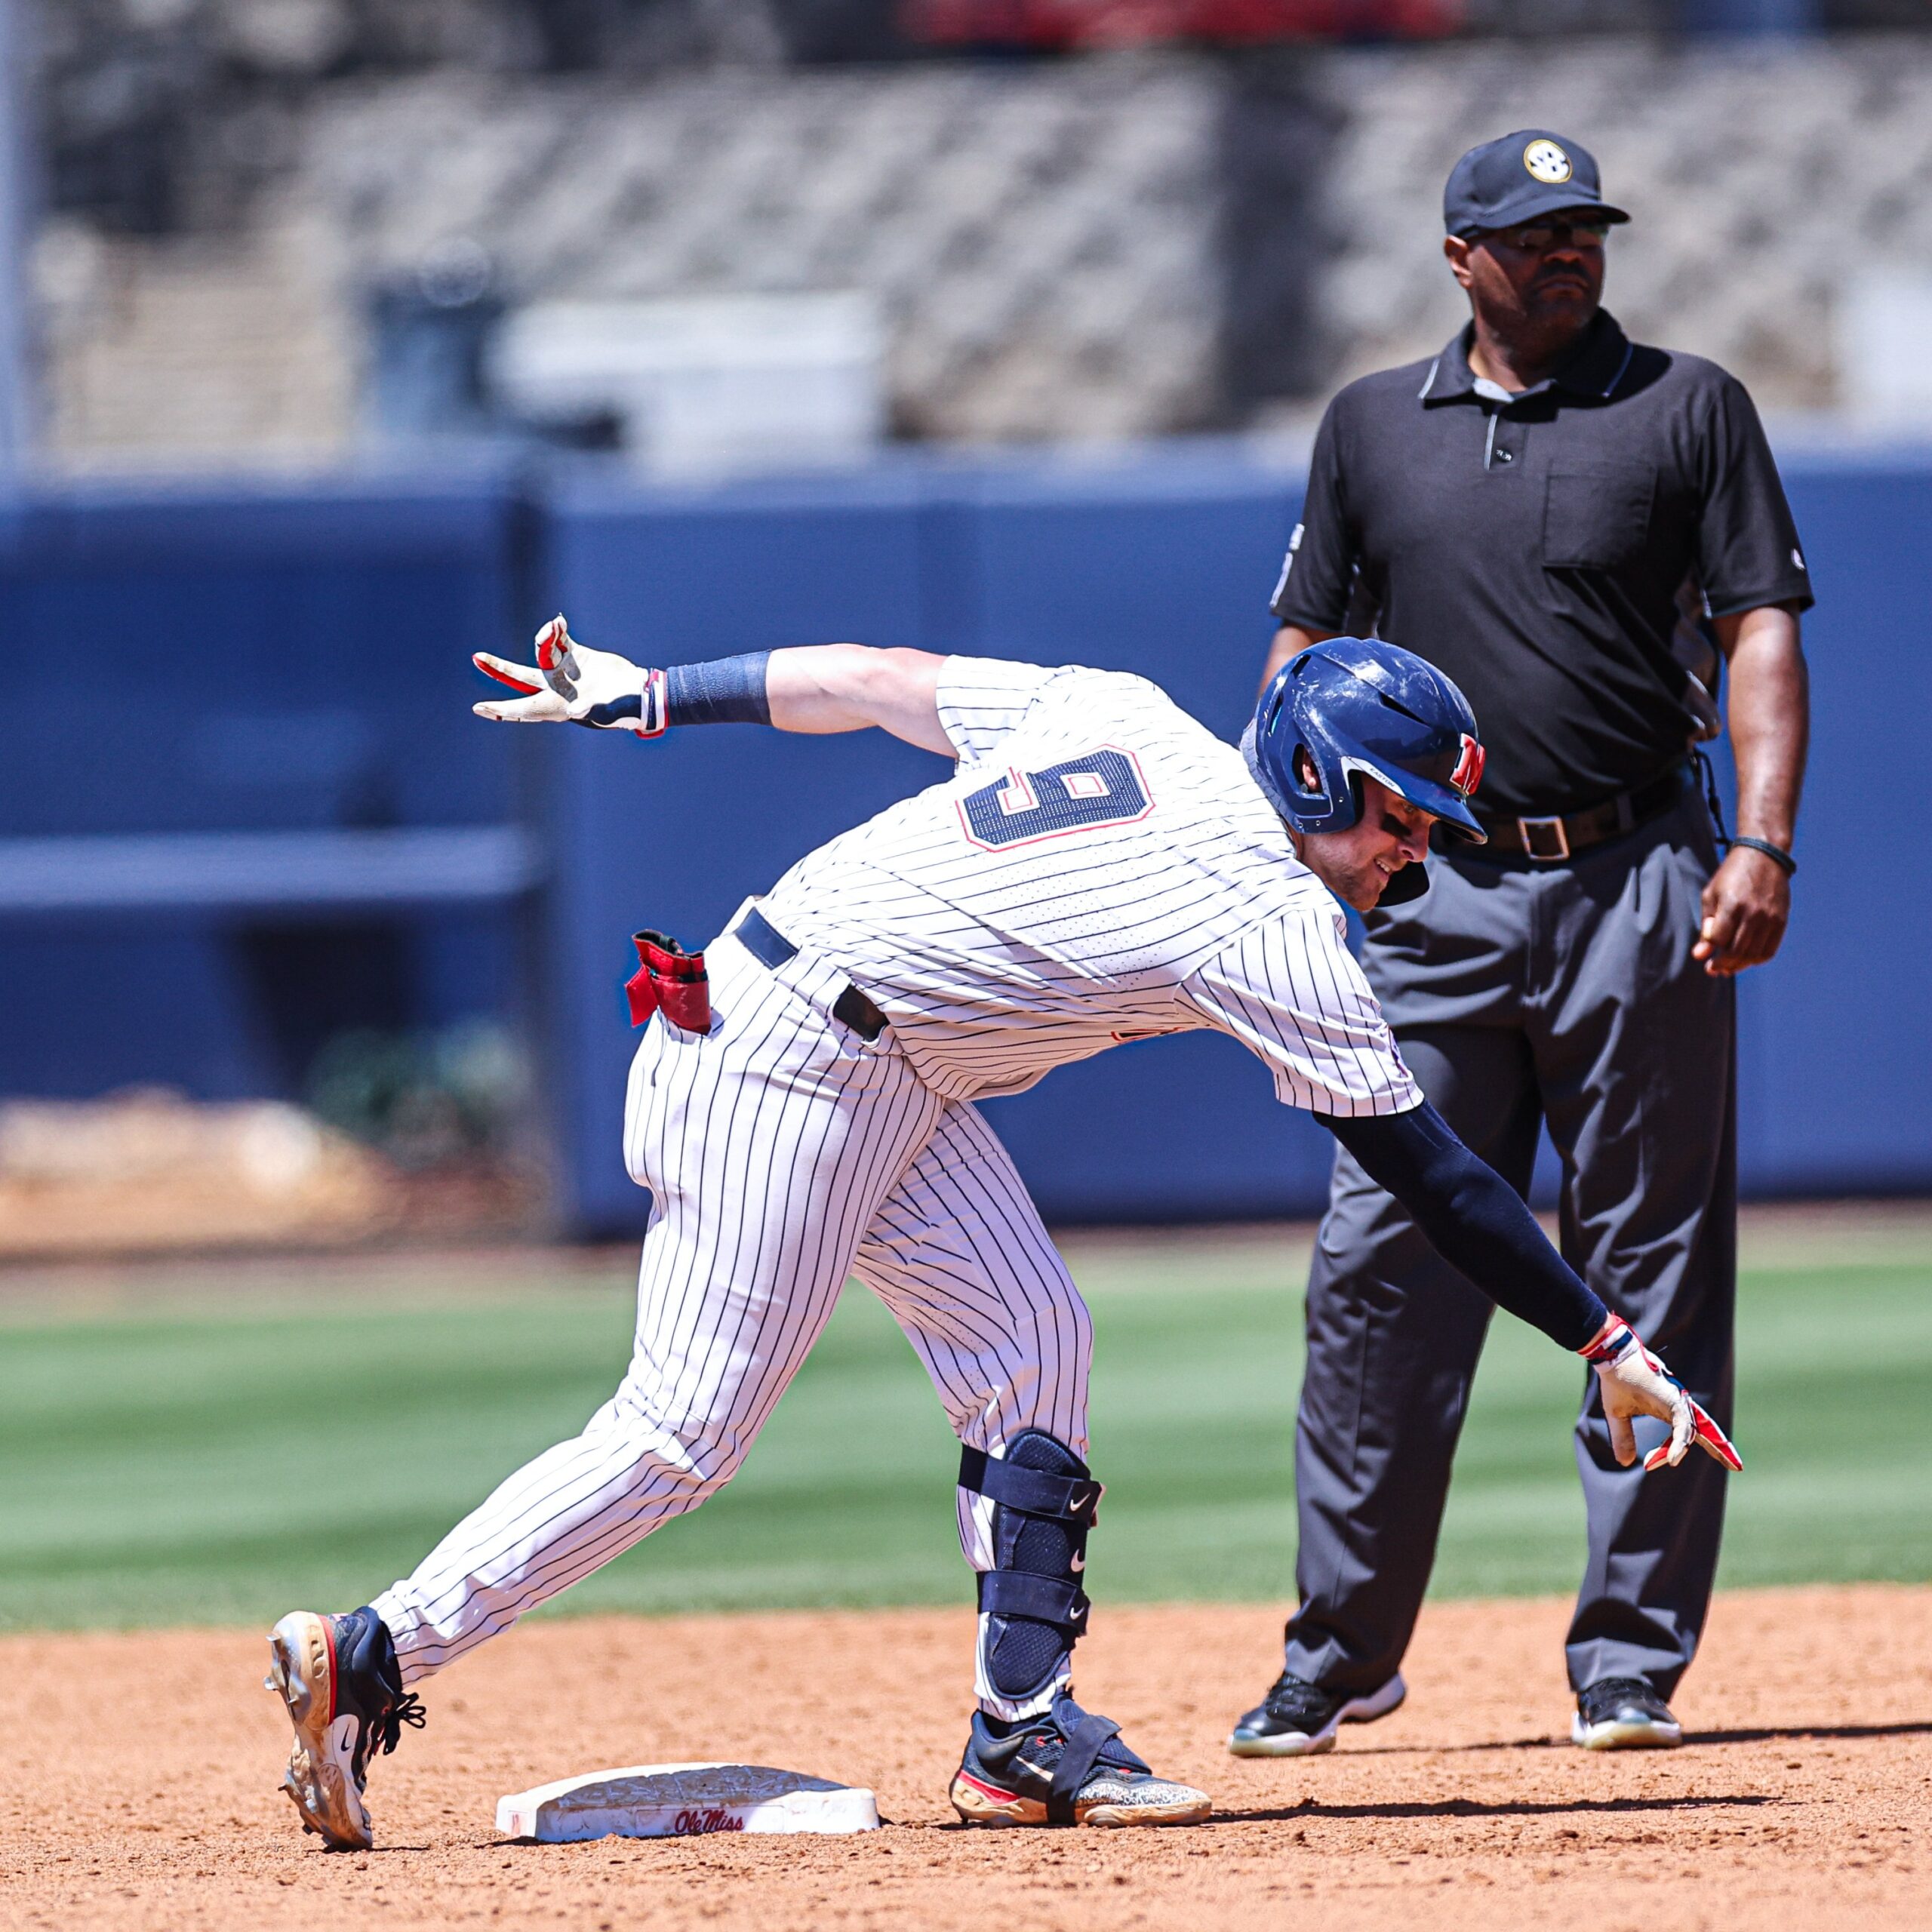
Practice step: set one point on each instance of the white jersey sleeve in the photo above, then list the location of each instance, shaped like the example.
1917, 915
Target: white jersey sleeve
982, 700
1290, 990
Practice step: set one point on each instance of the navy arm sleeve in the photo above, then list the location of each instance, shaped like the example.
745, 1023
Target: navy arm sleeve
1474, 1219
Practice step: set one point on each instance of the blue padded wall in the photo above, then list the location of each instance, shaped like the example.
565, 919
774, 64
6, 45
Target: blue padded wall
276, 663
1836, 1034
242, 658
296, 660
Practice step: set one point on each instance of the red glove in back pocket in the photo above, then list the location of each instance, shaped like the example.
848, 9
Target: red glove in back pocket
671, 980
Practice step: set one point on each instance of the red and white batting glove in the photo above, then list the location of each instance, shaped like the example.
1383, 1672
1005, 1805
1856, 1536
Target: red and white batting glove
573, 684
1634, 1383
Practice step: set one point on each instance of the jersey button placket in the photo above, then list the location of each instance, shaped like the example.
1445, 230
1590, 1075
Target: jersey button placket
1503, 439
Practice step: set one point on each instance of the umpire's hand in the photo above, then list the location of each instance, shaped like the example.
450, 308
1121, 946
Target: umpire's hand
1747, 905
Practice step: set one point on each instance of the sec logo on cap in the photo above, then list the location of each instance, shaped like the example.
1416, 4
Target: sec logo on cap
1546, 161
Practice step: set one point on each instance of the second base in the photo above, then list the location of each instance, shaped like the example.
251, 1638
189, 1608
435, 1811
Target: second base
682, 1800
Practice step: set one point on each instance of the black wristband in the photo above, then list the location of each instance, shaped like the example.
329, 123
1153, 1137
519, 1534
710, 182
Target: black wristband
728, 691
1778, 856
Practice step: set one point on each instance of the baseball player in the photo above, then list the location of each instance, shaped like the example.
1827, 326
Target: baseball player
1098, 866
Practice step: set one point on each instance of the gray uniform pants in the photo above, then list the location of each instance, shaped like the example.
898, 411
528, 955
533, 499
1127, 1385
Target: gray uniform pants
1520, 993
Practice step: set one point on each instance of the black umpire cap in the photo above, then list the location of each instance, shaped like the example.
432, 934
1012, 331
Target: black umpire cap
1523, 175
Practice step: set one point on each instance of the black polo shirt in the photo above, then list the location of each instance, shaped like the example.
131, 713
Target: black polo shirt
1536, 547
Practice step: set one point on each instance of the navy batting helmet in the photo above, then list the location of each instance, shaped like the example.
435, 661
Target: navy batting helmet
1357, 705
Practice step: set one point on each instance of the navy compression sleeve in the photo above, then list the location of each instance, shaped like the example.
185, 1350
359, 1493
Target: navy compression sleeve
1474, 1219
728, 691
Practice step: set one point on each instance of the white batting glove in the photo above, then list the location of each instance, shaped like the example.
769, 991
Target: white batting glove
1635, 1382
573, 684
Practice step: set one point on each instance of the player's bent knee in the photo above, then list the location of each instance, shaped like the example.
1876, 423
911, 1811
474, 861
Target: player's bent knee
691, 1457
1045, 1501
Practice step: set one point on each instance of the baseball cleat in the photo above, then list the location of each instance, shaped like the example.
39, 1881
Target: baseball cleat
1623, 1714
1064, 1768
338, 1677
1298, 1719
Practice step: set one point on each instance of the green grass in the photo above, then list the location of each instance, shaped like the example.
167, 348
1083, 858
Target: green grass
224, 1464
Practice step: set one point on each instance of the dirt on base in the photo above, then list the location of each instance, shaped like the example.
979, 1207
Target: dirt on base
139, 1773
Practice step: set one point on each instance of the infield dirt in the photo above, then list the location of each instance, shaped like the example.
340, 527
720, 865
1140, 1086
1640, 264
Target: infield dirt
141, 1769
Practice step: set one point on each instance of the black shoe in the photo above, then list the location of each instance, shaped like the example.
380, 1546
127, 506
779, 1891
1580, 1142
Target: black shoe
338, 1677
1065, 1768
1623, 1714
1298, 1719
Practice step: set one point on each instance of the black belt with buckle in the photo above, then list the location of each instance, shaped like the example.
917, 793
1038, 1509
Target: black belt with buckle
771, 948
1550, 842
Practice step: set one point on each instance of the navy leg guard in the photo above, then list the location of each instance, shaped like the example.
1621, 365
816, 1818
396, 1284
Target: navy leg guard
1044, 1502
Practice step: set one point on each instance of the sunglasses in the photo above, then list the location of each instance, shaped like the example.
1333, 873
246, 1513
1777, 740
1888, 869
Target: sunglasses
1535, 237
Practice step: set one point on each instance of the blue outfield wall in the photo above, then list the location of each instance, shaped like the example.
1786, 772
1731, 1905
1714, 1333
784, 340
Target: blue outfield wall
292, 664
1835, 1035
192, 661
1163, 566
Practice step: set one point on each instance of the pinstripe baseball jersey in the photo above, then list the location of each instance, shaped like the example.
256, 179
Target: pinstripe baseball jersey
1100, 868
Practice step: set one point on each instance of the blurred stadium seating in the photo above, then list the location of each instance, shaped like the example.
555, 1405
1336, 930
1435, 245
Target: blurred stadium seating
1041, 243
1132, 243
1061, 25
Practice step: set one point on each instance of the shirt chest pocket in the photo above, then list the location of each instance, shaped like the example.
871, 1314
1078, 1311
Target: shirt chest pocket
1596, 516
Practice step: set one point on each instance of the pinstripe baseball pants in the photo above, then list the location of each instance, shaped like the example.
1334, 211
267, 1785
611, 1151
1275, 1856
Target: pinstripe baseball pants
783, 1152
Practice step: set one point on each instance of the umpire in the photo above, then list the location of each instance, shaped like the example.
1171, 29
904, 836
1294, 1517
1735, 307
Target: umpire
1562, 519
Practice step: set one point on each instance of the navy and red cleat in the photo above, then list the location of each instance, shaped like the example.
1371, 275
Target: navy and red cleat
1065, 1767
339, 1678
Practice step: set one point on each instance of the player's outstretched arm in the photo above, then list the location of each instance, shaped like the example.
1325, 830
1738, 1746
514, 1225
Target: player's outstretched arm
848, 687
1479, 1224
814, 688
